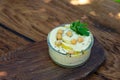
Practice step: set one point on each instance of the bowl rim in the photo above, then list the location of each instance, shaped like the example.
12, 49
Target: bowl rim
49, 44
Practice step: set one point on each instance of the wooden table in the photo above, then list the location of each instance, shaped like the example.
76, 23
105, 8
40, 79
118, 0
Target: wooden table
28, 21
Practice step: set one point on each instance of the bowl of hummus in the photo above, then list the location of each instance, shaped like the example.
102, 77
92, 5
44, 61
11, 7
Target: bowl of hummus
70, 44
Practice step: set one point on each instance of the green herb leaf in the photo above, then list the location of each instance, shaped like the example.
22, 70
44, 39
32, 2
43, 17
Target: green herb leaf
80, 28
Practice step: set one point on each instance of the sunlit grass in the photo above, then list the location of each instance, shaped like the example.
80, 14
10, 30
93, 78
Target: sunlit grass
80, 2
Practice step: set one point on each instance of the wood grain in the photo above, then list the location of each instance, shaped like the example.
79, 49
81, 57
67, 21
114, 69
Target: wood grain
106, 12
34, 61
34, 19
9, 41
111, 43
38, 19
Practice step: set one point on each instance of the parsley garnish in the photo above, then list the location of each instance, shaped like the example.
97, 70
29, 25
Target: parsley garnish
80, 28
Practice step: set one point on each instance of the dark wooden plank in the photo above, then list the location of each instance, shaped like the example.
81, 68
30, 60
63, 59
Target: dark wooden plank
111, 42
34, 61
106, 12
10, 41
38, 18
28, 22
21, 15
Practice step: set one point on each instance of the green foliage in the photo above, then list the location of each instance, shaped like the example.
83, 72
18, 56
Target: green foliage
80, 28
118, 1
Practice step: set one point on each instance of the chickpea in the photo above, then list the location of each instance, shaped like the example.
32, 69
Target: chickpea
58, 43
59, 36
73, 41
69, 33
60, 31
80, 39
71, 52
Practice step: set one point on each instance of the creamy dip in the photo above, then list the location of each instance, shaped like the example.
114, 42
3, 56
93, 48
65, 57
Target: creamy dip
69, 53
